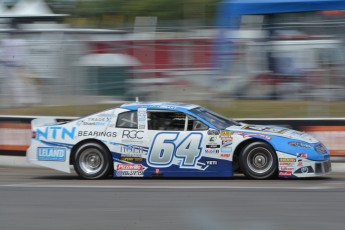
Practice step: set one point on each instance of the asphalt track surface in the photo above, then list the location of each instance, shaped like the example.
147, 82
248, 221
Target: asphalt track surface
36, 198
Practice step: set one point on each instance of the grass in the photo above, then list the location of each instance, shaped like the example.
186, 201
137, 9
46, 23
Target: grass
226, 107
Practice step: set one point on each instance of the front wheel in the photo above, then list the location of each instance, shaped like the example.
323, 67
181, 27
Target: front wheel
92, 161
259, 161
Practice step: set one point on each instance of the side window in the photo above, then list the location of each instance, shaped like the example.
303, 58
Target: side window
128, 120
171, 121
195, 125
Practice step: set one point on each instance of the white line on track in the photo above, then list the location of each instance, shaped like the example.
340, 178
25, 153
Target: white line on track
37, 185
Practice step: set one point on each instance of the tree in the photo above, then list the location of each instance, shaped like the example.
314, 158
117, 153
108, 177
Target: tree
164, 10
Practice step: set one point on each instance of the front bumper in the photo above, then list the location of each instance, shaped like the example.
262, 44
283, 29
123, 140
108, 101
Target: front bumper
291, 166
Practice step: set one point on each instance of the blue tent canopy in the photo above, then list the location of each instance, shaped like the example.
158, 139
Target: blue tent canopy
229, 10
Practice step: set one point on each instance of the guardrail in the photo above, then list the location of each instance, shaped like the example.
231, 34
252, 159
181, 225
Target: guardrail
15, 131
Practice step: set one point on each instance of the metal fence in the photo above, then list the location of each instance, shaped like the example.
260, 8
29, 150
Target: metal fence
85, 67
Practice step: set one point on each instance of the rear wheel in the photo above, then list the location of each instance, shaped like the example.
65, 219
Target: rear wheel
92, 161
259, 161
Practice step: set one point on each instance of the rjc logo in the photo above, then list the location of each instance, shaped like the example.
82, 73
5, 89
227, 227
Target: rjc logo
132, 134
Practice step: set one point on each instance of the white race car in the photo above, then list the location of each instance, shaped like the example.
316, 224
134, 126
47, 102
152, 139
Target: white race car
173, 140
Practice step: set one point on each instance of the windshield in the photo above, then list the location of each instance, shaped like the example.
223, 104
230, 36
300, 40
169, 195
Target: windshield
219, 121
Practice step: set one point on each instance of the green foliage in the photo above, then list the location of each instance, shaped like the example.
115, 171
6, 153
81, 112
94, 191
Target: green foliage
163, 9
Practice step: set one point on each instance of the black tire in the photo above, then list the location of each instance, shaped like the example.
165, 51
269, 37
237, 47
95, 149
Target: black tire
92, 161
259, 161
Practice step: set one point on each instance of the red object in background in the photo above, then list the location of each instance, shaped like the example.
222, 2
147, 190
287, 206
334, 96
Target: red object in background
161, 54
332, 12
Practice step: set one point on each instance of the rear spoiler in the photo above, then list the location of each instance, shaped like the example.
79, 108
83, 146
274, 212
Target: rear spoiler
44, 121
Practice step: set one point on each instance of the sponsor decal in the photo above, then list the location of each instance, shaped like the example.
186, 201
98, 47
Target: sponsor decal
124, 173
287, 164
287, 160
131, 159
225, 155
300, 144
129, 167
300, 163
103, 119
257, 135
212, 139
226, 138
226, 143
226, 149
132, 149
97, 121
96, 134
212, 151
87, 123
162, 106
133, 134
271, 129
212, 146
225, 134
289, 169
142, 118
285, 173
302, 155
51, 154
135, 155
238, 133
213, 132
55, 132
211, 162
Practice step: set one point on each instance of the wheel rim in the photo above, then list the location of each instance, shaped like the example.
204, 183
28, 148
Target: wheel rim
260, 160
91, 161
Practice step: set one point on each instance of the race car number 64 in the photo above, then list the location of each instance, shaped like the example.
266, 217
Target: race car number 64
164, 149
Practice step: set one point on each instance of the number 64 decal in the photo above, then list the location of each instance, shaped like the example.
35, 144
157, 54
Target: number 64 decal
164, 148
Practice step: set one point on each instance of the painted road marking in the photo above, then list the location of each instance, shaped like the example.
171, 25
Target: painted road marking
41, 185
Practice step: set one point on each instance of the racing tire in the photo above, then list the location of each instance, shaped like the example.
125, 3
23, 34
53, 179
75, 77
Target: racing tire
259, 161
92, 161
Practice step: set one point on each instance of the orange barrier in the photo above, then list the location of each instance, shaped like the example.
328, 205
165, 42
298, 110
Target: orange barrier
332, 136
15, 136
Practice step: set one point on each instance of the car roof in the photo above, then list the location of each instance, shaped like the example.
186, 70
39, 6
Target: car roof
159, 106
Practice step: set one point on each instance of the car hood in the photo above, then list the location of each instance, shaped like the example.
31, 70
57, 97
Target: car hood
276, 131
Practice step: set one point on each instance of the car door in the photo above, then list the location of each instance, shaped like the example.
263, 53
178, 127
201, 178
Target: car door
132, 138
177, 143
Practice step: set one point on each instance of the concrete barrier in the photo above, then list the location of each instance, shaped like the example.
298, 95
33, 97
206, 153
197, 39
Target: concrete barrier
15, 136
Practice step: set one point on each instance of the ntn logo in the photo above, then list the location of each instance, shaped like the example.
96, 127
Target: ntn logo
55, 132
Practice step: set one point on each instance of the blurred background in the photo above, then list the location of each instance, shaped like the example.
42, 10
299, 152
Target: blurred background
74, 57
